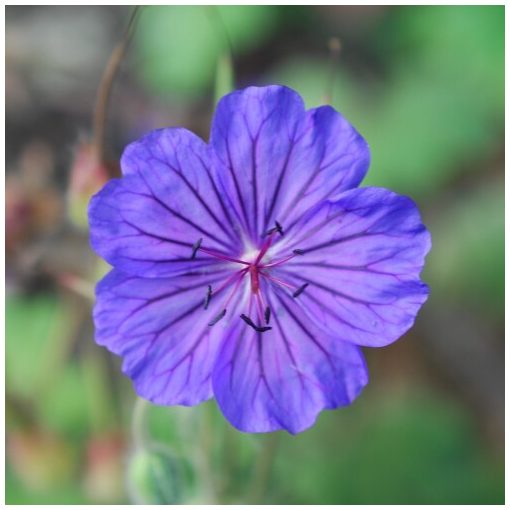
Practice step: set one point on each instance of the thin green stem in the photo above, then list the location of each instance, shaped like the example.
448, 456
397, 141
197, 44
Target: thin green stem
139, 423
225, 79
217, 20
334, 55
204, 455
263, 469
100, 400
229, 464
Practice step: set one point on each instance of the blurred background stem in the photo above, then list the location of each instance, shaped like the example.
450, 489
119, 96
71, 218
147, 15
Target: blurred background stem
139, 423
225, 76
98, 390
106, 84
263, 469
335, 47
204, 456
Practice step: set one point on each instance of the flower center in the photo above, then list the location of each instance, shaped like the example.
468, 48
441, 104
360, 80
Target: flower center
254, 266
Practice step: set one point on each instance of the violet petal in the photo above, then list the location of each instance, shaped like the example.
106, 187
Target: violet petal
363, 255
147, 222
159, 327
275, 160
283, 378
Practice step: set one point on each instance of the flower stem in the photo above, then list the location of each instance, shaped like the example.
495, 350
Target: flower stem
263, 469
101, 402
204, 456
105, 87
138, 422
334, 52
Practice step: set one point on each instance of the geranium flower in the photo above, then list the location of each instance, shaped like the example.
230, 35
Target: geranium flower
253, 268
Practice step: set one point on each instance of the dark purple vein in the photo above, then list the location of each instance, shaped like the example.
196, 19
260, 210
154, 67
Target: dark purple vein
330, 290
306, 331
178, 215
236, 183
161, 297
202, 202
216, 190
287, 345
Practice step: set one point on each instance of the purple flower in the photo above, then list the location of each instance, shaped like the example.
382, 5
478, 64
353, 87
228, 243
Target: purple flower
253, 268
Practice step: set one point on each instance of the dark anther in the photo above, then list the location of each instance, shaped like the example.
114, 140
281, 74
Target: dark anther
259, 329
207, 297
277, 228
195, 248
300, 290
218, 317
297, 251
267, 314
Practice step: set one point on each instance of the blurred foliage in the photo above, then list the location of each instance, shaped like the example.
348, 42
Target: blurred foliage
155, 477
65, 494
31, 344
425, 87
468, 256
64, 410
428, 126
310, 77
412, 449
398, 447
423, 120
178, 46
224, 82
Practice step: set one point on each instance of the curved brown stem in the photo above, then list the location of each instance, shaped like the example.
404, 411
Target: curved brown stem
105, 87
335, 47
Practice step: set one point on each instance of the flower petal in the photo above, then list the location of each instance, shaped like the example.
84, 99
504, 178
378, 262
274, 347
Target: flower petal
275, 160
147, 222
283, 378
161, 330
363, 255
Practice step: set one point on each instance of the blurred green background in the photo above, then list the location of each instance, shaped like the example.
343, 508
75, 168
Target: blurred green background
424, 85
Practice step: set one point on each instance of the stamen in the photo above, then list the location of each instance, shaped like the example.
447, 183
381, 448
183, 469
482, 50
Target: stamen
254, 278
278, 262
295, 252
232, 278
277, 280
268, 242
300, 290
277, 228
207, 297
221, 256
253, 269
267, 314
195, 248
218, 317
260, 306
259, 329
236, 287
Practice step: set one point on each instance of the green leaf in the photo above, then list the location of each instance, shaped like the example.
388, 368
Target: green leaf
224, 77
440, 111
155, 477
178, 46
33, 330
414, 448
468, 249
63, 408
311, 78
